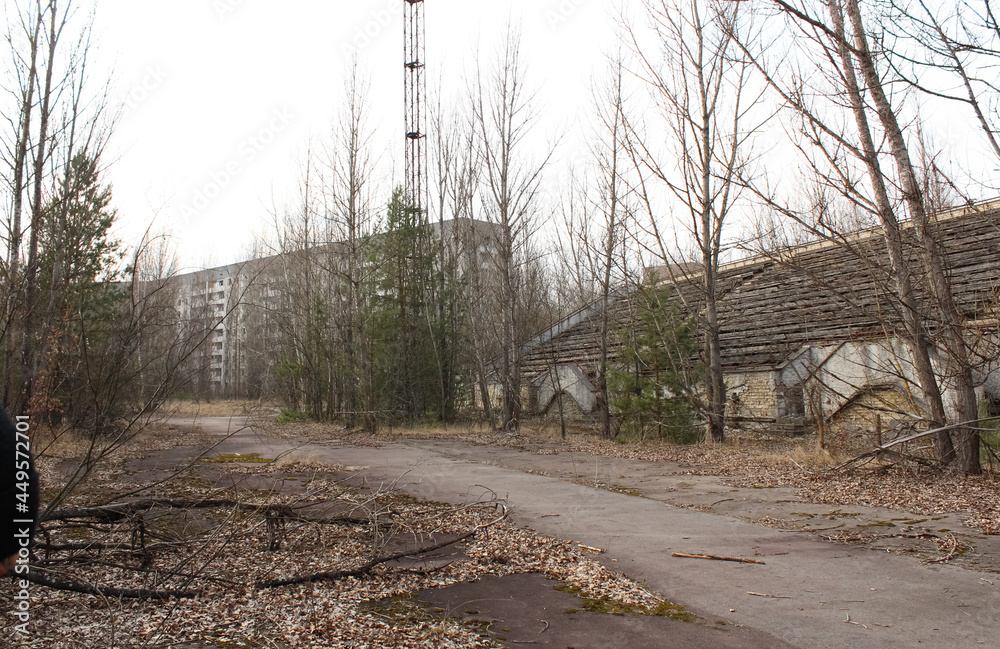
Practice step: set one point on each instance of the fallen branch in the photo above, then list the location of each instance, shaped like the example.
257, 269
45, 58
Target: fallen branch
906, 456
366, 568
766, 595
360, 571
714, 557
587, 547
105, 591
118, 511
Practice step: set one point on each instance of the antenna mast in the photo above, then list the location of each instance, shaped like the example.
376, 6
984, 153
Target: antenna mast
413, 97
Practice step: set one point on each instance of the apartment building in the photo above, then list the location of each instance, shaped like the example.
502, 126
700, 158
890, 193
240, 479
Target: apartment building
240, 309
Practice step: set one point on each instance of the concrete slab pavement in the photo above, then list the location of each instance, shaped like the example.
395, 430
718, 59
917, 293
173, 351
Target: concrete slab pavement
810, 593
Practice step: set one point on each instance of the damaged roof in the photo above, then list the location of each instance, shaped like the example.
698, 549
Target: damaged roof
819, 293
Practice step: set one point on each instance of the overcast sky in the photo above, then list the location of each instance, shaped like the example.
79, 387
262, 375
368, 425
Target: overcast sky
222, 96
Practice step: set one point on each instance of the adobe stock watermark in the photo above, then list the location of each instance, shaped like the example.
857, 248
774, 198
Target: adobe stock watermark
562, 11
379, 20
223, 8
154, 76
248, 150
22, 526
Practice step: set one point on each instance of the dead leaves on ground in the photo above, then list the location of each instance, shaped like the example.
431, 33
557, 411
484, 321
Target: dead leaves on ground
224, 559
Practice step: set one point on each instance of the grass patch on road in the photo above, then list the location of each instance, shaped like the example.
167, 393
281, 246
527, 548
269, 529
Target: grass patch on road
608, 606
237, 458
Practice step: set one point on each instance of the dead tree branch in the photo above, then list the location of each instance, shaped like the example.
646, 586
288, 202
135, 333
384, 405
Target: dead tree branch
367, 567
715, 557
105, 591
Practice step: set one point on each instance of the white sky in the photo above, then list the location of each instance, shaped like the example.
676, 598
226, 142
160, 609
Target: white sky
222, 96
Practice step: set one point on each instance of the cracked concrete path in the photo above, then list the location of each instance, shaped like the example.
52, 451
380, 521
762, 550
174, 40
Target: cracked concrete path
809, 592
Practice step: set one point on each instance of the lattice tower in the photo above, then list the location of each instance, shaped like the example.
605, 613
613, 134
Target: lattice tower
413, 97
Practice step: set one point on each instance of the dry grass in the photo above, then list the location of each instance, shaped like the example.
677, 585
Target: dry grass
64, 444
532, 431
429, 431
218, 408
807, 457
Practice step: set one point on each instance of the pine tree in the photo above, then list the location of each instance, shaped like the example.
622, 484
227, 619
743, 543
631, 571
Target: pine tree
652, 389
78, 303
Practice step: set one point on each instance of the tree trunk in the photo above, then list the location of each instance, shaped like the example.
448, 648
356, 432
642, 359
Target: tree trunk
28, 363
951, 319
18, 187
913, 318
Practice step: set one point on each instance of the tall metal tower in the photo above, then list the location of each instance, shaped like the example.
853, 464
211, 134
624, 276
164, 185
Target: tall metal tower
413, 96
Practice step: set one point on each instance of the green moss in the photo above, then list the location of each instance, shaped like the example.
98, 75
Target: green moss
803, 514
673, 611
406, 611
233, 458
879, 524
910, 521
609, 606
628, 491
837, 514
399, 609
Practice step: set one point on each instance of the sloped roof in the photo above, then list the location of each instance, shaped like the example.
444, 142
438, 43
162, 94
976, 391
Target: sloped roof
770, 307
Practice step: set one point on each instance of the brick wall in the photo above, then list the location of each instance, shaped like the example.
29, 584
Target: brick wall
751, 395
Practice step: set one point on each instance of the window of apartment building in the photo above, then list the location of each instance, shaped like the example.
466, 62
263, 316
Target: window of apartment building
218, 346
221, 283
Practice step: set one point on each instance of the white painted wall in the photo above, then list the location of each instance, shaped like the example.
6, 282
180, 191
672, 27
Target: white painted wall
571, 379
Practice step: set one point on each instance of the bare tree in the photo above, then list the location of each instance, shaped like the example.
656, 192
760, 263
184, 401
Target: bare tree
350, 213
961, 39
592, 241
62, 119
853, 75
832, 146
700, 86
950, 320
504, 114
475, 249
24, 69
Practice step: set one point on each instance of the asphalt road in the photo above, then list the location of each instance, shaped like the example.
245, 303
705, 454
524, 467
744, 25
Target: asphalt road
809, 592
